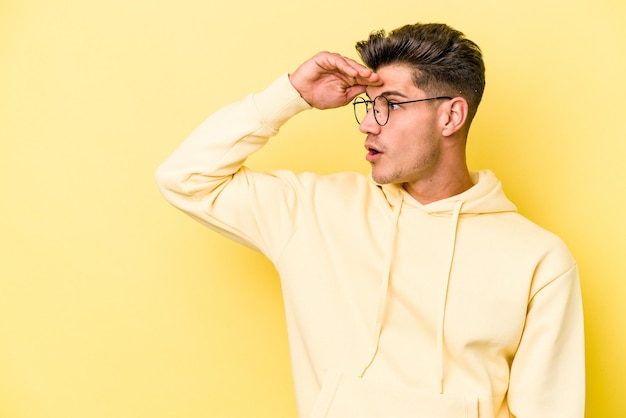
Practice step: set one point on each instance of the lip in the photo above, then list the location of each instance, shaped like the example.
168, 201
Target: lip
373, 153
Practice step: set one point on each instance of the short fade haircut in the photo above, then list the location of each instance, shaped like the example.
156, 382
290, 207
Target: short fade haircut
444, 61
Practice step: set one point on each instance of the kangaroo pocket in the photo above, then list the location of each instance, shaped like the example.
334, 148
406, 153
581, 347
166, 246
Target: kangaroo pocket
352, 397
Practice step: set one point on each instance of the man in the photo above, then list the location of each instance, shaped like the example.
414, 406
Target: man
418, 291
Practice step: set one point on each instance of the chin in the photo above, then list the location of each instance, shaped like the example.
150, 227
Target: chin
381, 179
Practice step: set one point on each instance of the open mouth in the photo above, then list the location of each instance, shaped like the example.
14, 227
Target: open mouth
372, 151
372, 154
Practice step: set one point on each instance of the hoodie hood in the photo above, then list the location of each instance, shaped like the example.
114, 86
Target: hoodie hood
486, 196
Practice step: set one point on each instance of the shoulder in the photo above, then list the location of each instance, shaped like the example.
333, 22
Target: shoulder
553, 256
338, 192
343, 183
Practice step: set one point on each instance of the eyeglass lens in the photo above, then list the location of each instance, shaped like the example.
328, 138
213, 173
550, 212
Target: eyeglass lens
380, 105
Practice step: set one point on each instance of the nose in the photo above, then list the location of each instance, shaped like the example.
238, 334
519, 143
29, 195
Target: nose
369, 124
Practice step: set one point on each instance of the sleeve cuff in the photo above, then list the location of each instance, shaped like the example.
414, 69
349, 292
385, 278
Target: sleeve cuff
279, 102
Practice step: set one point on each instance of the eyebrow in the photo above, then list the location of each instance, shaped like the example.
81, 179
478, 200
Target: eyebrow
390, 93
394, 93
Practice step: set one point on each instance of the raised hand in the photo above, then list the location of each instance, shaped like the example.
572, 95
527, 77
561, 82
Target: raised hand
330, 80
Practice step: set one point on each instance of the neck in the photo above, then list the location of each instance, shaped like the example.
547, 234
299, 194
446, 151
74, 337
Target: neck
436, 188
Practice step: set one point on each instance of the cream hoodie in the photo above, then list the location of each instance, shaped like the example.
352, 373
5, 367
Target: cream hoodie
458, 308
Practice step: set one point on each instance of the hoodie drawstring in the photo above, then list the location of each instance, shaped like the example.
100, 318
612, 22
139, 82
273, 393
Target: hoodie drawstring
382, 302
442, 314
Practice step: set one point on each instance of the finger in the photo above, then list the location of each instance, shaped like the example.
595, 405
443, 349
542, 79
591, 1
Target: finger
360, 73
354, 91
372, 80
333, 61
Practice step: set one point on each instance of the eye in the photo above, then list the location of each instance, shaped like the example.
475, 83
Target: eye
394, 106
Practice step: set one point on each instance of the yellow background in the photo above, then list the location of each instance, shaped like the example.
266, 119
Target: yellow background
115, 305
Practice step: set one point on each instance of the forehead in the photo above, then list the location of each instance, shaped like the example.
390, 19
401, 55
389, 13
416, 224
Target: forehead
397, 80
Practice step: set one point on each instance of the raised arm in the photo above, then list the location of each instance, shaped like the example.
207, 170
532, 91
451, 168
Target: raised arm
205, 176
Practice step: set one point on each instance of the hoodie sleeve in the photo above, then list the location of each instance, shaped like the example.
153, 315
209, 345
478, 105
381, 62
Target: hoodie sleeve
206, 179
548, 371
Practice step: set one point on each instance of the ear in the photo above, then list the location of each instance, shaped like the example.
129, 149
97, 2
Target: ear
454, 116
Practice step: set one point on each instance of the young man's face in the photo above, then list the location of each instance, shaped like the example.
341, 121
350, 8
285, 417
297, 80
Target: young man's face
408, 147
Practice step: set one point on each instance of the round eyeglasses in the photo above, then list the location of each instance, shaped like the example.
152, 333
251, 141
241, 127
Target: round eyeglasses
382, 107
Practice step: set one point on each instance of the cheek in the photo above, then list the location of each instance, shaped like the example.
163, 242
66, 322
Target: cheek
409, 141
418, 148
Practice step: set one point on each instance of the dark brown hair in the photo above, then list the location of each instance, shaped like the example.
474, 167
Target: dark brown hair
444, 61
